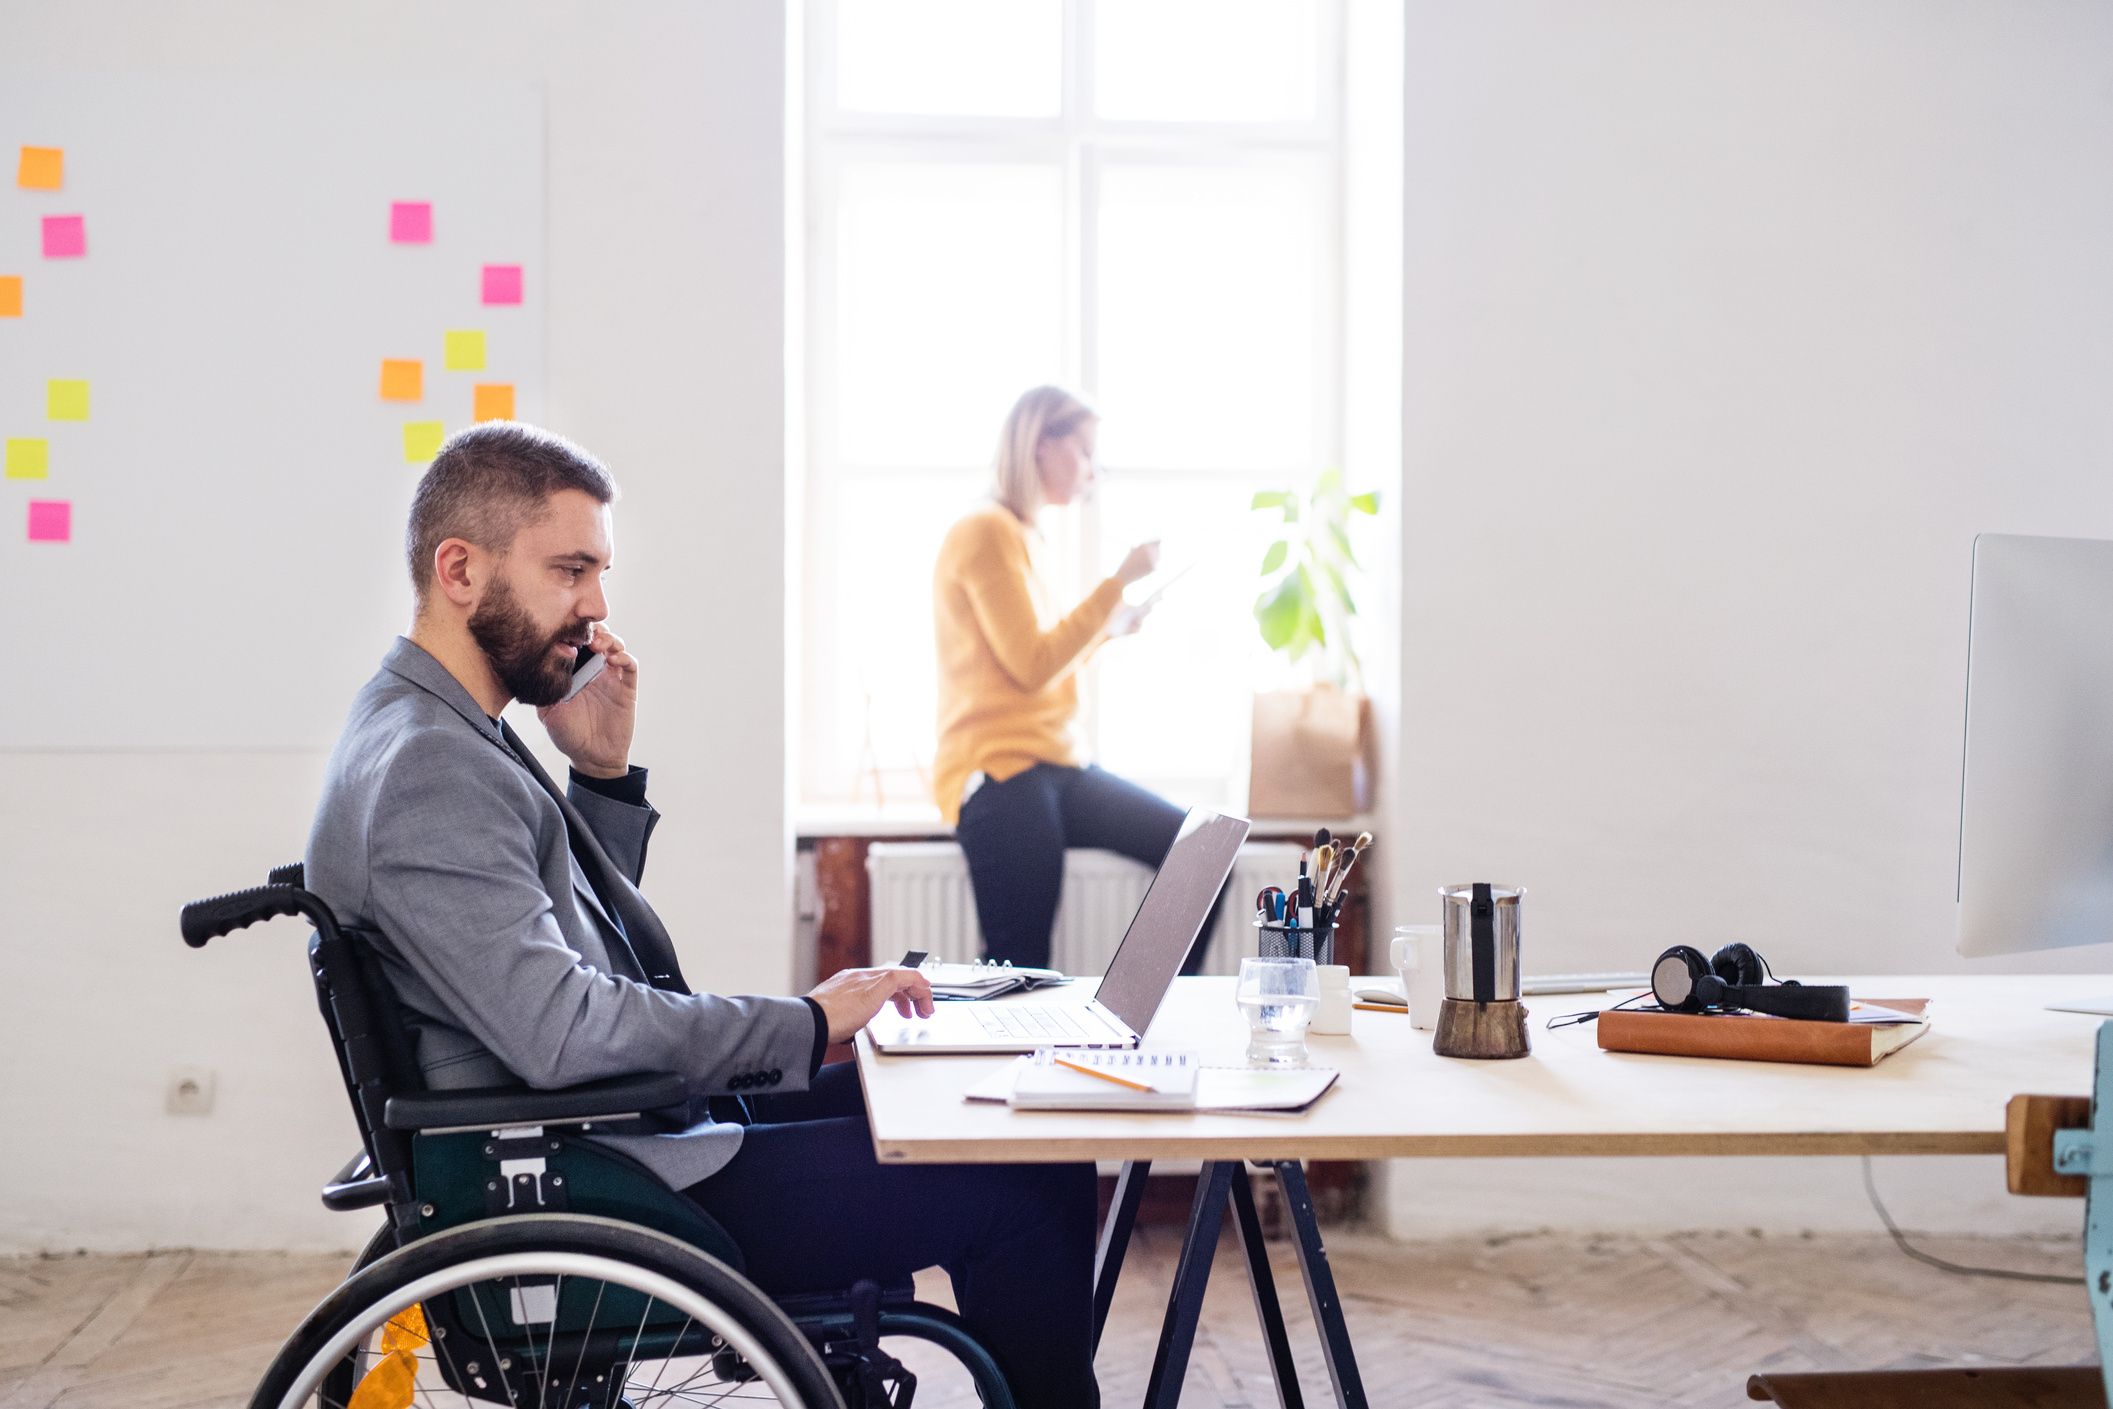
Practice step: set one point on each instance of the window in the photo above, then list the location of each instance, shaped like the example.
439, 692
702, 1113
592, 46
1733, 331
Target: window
1137, 199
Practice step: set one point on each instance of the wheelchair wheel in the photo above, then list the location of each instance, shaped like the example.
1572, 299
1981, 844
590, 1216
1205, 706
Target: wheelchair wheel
546, 1311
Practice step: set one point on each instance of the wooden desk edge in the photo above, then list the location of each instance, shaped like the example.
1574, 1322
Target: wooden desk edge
1293, 1144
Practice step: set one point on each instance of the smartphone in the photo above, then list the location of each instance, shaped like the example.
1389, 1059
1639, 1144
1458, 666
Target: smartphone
585, 669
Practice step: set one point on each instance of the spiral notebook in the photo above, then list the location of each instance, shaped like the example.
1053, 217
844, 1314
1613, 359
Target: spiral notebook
1074, 1080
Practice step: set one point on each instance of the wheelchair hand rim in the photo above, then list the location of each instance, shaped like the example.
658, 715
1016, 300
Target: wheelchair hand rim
506, 1264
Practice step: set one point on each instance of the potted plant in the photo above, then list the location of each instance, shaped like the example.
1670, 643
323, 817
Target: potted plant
1311, 745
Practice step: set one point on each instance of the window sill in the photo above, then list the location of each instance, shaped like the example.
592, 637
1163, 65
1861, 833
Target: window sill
844, 820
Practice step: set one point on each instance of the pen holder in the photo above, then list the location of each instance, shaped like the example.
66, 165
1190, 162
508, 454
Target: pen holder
1275, 940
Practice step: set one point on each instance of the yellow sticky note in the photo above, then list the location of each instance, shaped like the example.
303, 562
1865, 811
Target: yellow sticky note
41, 168
66, 401
495, 401
465, 351
403, 379
421, 440
28, 459
10, 295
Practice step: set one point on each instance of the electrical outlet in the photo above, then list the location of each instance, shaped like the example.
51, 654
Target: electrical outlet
191, 1091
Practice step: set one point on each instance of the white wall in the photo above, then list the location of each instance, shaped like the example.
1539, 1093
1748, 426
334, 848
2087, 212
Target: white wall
1728, 326
665, 334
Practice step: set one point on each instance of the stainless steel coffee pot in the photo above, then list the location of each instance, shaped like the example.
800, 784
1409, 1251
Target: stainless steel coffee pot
1482, 942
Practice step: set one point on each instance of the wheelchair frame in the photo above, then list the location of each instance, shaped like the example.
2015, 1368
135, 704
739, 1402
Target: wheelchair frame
443, 1161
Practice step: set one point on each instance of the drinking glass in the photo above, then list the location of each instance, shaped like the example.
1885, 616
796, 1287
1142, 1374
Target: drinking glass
1277, 997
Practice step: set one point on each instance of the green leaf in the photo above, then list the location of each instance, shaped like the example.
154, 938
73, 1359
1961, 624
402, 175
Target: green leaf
1274, 558
1366, 503
1342, 591
1342, 544
1269, 499
1281, 610
1291, 508
1330, 481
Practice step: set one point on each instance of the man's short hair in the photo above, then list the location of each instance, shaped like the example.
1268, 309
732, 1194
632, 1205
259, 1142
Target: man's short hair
490, 482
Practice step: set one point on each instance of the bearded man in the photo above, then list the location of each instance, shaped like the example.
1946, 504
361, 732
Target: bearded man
508, 919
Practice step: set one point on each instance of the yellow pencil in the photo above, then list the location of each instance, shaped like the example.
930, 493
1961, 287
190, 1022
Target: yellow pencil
1105, 1076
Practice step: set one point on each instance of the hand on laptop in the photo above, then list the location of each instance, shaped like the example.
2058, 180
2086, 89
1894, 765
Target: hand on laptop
850, 998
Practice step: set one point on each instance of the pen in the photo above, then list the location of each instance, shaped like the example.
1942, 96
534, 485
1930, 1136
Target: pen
1305, 897
1105, 1076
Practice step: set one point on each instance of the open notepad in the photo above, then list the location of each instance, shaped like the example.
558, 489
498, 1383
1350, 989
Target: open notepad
1173, 1081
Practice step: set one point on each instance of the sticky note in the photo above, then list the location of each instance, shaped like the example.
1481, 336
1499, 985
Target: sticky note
495, 401
411, 222
465, 351
422, 440
65, 236
28, 459
403, 379
502, 283
66, 401
10, 295
51, 521
41, 168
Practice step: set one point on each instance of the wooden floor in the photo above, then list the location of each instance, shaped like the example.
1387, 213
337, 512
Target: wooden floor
1547, 1319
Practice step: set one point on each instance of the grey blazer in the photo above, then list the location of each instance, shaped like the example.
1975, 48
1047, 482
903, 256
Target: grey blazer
433, 835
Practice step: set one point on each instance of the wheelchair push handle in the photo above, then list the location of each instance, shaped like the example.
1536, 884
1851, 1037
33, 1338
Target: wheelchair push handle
209, 919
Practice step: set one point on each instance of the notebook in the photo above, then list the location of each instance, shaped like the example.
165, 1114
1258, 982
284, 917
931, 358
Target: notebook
1232, 1090
1087, 1080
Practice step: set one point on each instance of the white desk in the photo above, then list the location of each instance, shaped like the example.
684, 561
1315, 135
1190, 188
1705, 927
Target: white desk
1990, 1038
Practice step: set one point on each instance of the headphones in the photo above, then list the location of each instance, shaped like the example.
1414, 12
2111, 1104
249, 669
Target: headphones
1684, 982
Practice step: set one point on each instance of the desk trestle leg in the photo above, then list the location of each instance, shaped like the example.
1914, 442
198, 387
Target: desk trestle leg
1263, 1283
1320, 1288
1115, 1239
1177, 1334
2091, 1152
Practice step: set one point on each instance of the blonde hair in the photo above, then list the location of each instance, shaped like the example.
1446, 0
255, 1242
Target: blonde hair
1045, 413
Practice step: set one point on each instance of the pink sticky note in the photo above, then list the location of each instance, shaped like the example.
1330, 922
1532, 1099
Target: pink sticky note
51, 520
411, 222
65, 236
502, 283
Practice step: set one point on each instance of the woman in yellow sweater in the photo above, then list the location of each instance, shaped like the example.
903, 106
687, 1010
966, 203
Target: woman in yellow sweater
1007, 773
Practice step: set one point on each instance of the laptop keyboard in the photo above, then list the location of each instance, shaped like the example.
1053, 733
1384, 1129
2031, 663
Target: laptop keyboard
1033, 1022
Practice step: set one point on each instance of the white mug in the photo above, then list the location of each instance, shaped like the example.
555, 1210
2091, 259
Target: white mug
1418, 955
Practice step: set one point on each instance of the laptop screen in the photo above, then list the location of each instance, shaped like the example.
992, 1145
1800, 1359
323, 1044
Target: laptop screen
1172, 914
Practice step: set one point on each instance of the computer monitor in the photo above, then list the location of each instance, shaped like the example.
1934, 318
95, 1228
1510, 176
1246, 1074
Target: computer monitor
2036, 800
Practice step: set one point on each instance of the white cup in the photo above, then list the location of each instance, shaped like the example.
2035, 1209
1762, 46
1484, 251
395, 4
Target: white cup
1418, 955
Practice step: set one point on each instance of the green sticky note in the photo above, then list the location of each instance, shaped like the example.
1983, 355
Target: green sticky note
28, 459
66, 401
422, 440
465, 351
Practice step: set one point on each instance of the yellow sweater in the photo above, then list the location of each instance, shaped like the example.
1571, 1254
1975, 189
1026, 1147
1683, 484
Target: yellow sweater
1008, 683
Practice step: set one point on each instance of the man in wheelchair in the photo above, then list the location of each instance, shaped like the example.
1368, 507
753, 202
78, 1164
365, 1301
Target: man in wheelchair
507, 919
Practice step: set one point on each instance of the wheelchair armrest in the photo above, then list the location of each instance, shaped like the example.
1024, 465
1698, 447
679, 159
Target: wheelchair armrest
498, 1107
351, 1187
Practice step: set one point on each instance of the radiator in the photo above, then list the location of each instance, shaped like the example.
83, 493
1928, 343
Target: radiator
922, 900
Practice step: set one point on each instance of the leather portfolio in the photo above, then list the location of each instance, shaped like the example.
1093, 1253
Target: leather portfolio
1878, 1026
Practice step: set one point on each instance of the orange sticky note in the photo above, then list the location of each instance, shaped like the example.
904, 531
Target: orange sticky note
10, 295
403, 379
41, 168
495, 401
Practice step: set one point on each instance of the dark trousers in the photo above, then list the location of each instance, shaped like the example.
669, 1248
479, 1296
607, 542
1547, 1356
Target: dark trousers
1014, 834
814, 1211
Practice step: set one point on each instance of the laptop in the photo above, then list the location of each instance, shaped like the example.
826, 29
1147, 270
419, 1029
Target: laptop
1166, 924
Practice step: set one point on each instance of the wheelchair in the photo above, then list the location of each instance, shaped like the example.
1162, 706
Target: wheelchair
523, 1264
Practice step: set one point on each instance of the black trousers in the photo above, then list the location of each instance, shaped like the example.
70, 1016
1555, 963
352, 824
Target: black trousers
814, 1211
1014, 834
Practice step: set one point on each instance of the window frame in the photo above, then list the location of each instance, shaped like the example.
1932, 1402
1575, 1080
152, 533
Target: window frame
1083, 147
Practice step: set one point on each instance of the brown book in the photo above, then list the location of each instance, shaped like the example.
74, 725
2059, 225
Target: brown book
1757, 1037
